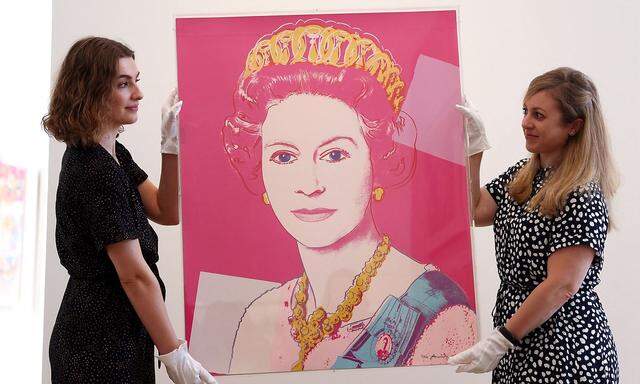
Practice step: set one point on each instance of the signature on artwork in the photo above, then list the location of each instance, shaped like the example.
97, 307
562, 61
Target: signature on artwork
434, 356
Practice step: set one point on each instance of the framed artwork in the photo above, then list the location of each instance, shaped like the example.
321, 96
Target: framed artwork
324, 191
13, 183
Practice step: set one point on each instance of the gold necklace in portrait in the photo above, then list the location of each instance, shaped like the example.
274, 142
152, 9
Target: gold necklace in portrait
310, 332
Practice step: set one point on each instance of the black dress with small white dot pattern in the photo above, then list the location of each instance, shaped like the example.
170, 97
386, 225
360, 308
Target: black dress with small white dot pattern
98, 337
575, 345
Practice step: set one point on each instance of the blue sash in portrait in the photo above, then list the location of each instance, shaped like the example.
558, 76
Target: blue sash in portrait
393, 332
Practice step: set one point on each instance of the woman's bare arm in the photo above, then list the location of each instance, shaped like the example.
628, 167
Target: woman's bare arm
566, 269
143, 290
161, 204
482, 204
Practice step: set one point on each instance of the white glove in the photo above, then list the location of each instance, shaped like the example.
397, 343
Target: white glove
184, 369
484, 356
474, 129
170, 123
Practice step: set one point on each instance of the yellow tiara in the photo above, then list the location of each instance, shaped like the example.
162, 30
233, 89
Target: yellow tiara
320, 45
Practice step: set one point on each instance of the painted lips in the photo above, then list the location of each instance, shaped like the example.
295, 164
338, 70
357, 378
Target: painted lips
313, 215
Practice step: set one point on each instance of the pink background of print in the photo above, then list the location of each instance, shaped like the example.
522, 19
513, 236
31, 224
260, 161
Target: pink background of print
227, 230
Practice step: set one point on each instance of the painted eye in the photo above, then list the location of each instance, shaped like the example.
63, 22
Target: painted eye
335, 155
283, 157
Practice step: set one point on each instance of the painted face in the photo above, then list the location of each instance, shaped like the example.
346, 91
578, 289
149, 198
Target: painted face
316, 168
544, 130
126, 93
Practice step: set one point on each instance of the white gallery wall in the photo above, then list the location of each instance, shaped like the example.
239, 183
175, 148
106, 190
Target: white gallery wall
504, 44
24, 98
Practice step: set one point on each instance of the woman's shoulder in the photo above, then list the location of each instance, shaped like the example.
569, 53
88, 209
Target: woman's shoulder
592, 189
88, 158
80, 162
417, 282
90, 169
588, 197
497, 186
264, 322
122, 152
437, 288
589, 192
513, 169
277, 298
135, 173
420, 283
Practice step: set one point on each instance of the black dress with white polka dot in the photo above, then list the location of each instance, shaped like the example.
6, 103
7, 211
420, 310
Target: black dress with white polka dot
575, 345
98, 337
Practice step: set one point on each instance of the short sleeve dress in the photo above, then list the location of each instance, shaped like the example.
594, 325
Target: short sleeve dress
98, 337
576, 344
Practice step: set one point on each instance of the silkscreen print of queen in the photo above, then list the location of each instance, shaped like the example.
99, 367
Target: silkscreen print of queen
324, 200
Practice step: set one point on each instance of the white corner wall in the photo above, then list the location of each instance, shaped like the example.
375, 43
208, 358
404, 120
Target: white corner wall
23, 144
504, 43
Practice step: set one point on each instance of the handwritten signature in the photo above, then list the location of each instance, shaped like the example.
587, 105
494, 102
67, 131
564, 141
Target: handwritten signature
435, 356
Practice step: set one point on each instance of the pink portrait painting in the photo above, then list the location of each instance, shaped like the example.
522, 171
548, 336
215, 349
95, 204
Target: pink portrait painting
324, 192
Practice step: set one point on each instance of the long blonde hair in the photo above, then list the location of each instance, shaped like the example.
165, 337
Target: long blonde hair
587, 155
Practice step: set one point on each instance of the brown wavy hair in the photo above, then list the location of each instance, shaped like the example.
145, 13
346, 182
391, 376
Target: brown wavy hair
80, 99
587, 155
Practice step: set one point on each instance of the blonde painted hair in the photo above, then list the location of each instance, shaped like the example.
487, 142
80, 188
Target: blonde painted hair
587, 156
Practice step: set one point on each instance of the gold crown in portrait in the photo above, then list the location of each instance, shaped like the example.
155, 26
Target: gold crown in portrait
327, 45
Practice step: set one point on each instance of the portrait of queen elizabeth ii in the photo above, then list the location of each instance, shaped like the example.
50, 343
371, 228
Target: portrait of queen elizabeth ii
333, 206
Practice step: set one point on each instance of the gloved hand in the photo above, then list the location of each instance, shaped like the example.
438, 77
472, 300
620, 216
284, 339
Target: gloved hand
474, 129
170, 123
484, 356
184, 369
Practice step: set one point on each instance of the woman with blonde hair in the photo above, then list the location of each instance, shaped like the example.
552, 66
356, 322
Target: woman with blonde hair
550, 219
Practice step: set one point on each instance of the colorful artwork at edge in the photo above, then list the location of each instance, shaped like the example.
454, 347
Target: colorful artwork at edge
228, 230
12, 211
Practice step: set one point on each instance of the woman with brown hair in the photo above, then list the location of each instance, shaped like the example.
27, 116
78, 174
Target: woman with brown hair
112, 312
550, 220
